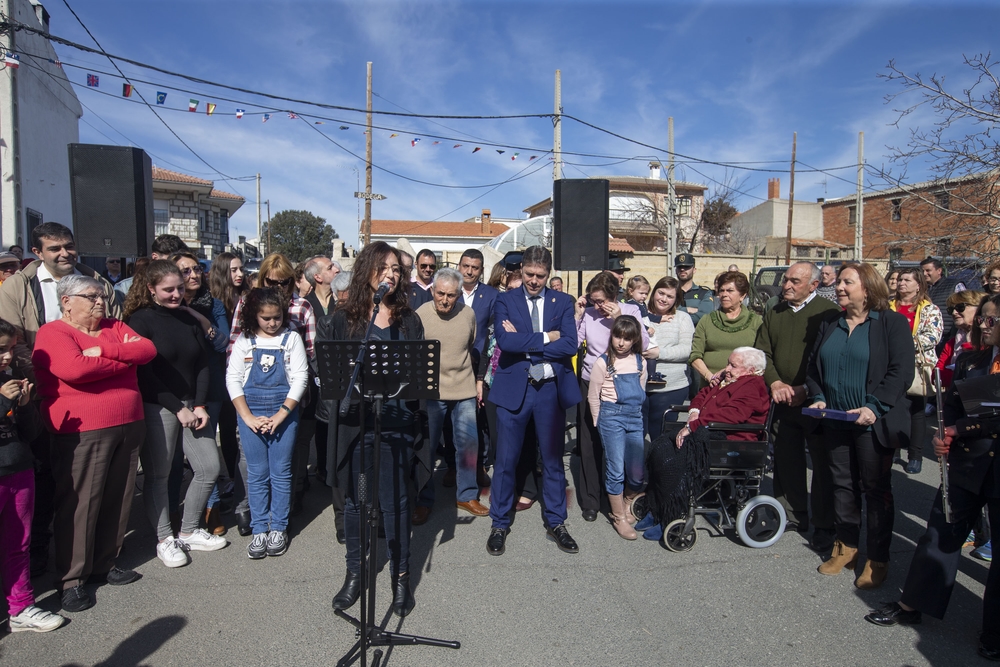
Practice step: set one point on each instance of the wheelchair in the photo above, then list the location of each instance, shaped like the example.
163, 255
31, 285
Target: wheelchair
730, 497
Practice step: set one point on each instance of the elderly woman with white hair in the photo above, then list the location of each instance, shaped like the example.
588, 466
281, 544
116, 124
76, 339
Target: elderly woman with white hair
737, 395
84, 360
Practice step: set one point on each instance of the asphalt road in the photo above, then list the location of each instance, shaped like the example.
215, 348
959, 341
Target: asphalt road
616, 602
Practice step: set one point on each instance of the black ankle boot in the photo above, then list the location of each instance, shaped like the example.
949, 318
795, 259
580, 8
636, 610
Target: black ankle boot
402, 598
349, 592
243, 523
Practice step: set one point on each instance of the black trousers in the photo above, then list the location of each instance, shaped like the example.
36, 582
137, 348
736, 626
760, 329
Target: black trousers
861, 467
931, 578
791, 442
591, 487
914, 442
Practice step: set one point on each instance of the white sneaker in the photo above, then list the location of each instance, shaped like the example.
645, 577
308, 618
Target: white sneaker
172, 553
202, 540
35, 619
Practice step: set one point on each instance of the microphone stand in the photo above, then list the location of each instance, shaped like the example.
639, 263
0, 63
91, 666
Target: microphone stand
367, 632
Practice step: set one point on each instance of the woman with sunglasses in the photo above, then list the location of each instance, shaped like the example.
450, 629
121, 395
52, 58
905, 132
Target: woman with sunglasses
927, 327
211, 315
278, 273
963, 307
991, 279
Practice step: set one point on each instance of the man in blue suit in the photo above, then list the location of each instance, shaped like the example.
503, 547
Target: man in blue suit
478, 296
536, 333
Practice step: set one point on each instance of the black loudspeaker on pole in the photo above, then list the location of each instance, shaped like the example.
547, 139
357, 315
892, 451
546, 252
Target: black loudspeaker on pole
580, 216
112, 192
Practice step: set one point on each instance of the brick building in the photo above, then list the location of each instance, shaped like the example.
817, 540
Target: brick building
944, 218
194, 210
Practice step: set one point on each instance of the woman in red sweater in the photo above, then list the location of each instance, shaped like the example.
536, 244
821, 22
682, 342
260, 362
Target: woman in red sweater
83, 361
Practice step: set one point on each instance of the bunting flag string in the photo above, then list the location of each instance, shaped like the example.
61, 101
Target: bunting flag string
57, 63
414, 141
93, 81
266, 117
514, 156
476, 149
500, 151
532, 158
192, 105
126, 90
342, 127
292, 116
161, 98
391, 136
457, 146
12, 60
210, 108
239, 113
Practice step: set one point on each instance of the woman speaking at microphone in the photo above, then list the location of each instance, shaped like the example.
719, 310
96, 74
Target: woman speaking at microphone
378, 265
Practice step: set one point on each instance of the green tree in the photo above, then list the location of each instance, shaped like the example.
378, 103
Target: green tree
298, 235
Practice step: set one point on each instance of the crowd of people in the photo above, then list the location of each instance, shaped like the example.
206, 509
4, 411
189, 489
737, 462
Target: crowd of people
216, 372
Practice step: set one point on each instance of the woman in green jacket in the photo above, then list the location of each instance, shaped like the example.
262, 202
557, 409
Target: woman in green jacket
733, 325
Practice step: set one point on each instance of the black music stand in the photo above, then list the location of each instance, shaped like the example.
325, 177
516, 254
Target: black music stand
376, 370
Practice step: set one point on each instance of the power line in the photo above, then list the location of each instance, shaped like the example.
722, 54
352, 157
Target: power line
512, 178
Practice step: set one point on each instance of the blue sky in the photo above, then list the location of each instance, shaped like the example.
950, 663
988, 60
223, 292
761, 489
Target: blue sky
737, 77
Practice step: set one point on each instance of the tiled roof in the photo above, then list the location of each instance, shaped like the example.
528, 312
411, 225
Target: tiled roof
219, 194
619, 245
917, 187
160, 174
420, 228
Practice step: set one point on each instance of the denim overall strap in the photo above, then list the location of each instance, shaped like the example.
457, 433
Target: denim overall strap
628, 388
267, 386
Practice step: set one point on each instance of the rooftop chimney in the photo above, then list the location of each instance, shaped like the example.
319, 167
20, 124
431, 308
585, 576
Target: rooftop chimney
774, 188
486, 221
654, 170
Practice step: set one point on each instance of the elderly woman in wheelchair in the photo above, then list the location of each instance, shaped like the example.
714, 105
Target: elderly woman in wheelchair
714, 463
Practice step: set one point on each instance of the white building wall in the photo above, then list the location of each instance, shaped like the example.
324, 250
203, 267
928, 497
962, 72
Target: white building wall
770, 218
39, 127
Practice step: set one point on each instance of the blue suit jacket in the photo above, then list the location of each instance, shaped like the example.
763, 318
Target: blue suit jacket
482, 305
510, 382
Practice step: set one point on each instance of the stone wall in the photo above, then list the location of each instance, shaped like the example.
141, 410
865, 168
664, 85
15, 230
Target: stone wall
185, 211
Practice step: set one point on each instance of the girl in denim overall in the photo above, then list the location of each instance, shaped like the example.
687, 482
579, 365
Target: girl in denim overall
617, 392
266, 378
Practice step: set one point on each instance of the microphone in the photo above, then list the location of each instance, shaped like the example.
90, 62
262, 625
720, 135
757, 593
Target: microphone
383, 287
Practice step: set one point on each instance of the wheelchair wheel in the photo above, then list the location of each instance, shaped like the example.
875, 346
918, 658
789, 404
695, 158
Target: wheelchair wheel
761, 522
640, 508
676, 539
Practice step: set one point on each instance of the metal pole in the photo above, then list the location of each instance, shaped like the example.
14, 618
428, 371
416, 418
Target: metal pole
671, 199
791, 204
367, 233
260, 241
557, 131
268, 202
859, 206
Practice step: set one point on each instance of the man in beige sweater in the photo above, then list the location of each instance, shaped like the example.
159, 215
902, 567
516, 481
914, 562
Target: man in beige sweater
448, 320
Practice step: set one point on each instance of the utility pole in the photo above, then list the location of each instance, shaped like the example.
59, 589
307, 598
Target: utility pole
859, 204
791, 204
557, 131
268, 202
260, 241
366, 232
671, 199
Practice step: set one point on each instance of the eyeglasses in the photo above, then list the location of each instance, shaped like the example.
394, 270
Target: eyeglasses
197, 270
113, 261
993, 280
958, 307
988, 321
90, 297
278, 283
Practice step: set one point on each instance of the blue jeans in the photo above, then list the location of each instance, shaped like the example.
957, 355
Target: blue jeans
269, 473
621, 432
465, 435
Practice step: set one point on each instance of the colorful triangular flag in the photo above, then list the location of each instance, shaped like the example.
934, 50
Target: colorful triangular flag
12, 60
533, 157
414, 141
500, 151
192, 104
319, 122
126, 90
435, 143
457, 146
239, 113
292, 116
161, 98
93, 81
344, 127
266, 117
55, 62
514, 156
391, 136
476, 149
210, 108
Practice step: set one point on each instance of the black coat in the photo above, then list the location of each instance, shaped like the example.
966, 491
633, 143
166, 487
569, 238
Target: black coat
345, 431
890, 370
976, 448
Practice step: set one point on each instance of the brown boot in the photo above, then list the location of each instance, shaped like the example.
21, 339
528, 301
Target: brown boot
873, 575
627, 500
842, 556
623, 527
213, 521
